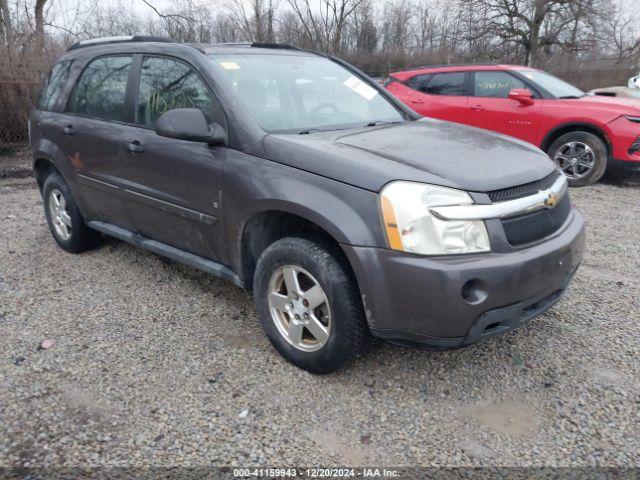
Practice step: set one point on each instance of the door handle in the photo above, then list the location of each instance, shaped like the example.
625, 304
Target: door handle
135, 147
477, 108
418, 102
69, 130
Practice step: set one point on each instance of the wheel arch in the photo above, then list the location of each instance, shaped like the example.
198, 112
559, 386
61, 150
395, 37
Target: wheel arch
42, 168
49, 157
565, 128
265, 227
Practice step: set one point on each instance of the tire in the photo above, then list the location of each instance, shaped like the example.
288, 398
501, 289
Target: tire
315, 263
74, 236
588, 150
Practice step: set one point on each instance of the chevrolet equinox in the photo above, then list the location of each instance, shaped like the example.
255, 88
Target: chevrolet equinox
293, 175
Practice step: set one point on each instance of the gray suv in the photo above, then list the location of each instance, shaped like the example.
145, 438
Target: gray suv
295, 176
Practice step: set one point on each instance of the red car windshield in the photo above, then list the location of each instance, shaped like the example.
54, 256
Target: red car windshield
556, 87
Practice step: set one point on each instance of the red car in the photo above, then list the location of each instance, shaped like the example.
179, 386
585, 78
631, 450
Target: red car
584, 134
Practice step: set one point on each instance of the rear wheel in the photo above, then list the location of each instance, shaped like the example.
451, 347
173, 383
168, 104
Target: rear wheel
65, 222
581, 156
309, 304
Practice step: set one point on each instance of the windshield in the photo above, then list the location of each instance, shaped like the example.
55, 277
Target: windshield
303, 94
556, 87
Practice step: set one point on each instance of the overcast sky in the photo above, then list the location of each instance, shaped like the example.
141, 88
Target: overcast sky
141, 7
62, 12
137, 5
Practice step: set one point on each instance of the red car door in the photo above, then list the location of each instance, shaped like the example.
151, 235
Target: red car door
437, 95
491, 108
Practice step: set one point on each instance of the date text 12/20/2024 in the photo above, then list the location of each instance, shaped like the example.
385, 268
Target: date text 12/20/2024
315, 473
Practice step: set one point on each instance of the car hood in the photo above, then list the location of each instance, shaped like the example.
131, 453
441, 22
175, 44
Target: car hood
427, 150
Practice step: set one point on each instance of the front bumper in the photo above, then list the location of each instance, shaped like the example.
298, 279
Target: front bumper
412, 299
623, 166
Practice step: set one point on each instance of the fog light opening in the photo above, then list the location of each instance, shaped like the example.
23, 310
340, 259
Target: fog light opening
475, 291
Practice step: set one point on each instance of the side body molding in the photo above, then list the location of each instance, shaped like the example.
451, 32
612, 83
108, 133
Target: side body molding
201, 263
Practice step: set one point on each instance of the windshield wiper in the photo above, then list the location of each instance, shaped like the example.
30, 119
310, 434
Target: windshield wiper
572, 97
311, 130
320, 130
381, 122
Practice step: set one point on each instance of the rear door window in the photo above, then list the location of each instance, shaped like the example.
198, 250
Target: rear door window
449, 83
167, 84
53, 85
102, 88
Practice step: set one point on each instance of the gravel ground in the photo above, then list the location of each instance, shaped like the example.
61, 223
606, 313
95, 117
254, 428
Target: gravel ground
15, 162
154, 363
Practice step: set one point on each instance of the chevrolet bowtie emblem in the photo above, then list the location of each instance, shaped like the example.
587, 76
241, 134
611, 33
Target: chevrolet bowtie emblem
552, 200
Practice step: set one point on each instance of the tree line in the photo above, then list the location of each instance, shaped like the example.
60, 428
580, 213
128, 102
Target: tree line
530, 32
573, 38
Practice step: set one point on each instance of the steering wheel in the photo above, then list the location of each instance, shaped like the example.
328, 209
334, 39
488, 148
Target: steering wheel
321, 106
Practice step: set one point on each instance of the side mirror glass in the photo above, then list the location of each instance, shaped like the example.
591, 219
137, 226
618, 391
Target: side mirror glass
190, 124
522, 95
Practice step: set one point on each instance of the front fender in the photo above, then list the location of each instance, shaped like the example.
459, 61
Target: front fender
255, 185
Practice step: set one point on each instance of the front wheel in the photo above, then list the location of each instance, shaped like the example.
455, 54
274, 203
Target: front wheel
581, 156
309, 304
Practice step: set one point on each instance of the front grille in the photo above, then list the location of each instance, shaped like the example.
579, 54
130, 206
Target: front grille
521, 191
535, 226
635, 148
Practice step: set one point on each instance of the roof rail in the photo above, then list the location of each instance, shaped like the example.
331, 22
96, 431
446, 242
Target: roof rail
278, 46
124, 39
232, 44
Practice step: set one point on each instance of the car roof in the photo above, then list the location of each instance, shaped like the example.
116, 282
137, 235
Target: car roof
251, 49
406, 74
138, 44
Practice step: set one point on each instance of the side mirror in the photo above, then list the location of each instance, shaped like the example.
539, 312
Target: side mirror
522, 95
190, 124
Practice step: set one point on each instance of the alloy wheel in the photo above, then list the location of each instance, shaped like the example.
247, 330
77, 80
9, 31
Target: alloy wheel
60, 217
299, 308
575, 159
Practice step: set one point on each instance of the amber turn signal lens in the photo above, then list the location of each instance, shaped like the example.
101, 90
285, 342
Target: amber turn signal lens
391, 225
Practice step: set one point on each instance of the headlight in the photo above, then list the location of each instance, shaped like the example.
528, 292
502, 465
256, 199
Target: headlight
410, 226
633, 119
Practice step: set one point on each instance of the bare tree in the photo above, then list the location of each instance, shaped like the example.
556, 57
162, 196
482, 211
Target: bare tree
326, 22
426, 29
255, 19
39, 16
6, 27
363, 30
397, 25
521, 23
623, 30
